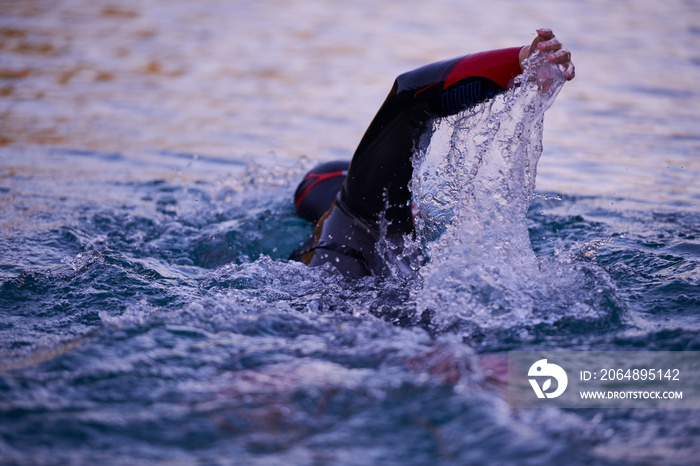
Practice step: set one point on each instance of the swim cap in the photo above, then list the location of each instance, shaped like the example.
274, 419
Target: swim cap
318, 189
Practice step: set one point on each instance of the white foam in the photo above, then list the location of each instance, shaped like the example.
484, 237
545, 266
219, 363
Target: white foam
472, 188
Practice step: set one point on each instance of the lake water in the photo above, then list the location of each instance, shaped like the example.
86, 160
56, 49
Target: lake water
148, 154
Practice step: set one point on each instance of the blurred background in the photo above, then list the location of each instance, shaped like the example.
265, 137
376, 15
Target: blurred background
229, 79
149, 150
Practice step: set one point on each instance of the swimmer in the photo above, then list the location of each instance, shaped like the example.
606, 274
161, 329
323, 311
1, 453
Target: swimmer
351, 202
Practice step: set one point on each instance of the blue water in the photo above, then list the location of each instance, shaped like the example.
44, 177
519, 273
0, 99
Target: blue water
149, 315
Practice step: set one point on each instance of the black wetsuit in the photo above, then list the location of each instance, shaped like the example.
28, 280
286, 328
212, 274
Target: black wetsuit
375, 192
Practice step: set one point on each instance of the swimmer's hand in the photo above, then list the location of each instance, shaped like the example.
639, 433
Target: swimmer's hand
545, 42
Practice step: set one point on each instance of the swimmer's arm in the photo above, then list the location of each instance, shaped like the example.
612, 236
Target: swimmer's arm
469, 80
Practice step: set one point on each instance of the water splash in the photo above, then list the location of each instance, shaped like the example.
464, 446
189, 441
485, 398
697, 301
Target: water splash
472, 188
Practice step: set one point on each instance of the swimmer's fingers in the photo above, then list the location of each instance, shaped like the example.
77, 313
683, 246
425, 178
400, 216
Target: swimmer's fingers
546, 42
556, 53
563, 57
543, 41
551, 45
569, 71
543, 35
560, 57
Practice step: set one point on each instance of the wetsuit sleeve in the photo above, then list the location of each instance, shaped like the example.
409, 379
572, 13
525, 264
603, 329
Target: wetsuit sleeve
381, 168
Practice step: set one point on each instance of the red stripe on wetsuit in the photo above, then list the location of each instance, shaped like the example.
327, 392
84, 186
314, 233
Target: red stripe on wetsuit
500, 66
319, 177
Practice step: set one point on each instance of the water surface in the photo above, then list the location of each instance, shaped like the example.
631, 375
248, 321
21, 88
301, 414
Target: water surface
148, 154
